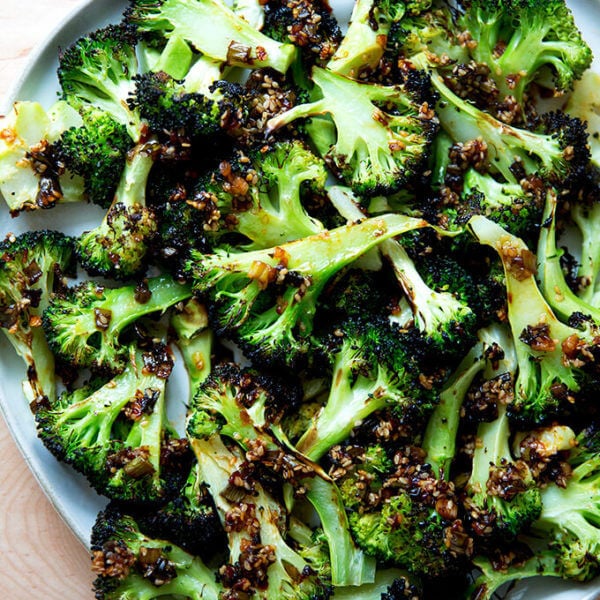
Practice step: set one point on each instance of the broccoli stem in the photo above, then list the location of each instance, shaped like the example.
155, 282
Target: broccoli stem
440, 435
587, 219
195, 341
216, 31
552, 280
350, 566
384, 579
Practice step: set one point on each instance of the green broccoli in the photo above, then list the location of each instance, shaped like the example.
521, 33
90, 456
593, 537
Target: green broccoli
83, 324
118, 435
374, 137
132, 565
276, 328
519, 39
31, 176
213, 29
31, 269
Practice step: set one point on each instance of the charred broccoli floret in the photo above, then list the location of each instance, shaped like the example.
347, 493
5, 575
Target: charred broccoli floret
118, 247
373, 368
552, 356
266, 299
260, 196
132, 565
374, 137
83, 324
96, 152
119, 436
31, 269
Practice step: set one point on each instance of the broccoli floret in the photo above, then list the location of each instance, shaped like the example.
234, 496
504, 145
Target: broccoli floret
187, 107
551, 355
98, 70
213, 29
119, 436
560, 152
261, 196
96, 152
242, 405
189, 520
132, 565
363, 44
508, 204
83, 324
570, 517
260, 557
501, 499
516, 39
374, 137
31, 269
118, 247
308, 24
373, 368
276, 328
31, 176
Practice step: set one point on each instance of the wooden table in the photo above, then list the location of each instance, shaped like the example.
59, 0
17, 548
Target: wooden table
39, 556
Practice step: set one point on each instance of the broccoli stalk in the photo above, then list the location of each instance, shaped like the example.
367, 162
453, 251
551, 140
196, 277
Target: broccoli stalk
439, 441
119, 436
252, 532
373, 369
31, 177
31, 268
83, 324
277, 330
587, 219
132, 565
550, 274
561, 153
194, 340
117, 248
99, 70
516, 40
547, 350
363, 44
373, 149
213, 29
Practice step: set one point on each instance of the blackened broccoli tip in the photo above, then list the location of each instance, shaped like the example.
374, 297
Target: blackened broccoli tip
213, 29
119, 246
519, 39
166, 105
32, 267
98, 70
374, 150
277, 330
132, 565
97, 152
119, 436
83, 323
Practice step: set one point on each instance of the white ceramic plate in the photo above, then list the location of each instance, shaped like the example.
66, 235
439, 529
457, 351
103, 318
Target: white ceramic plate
69, 492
